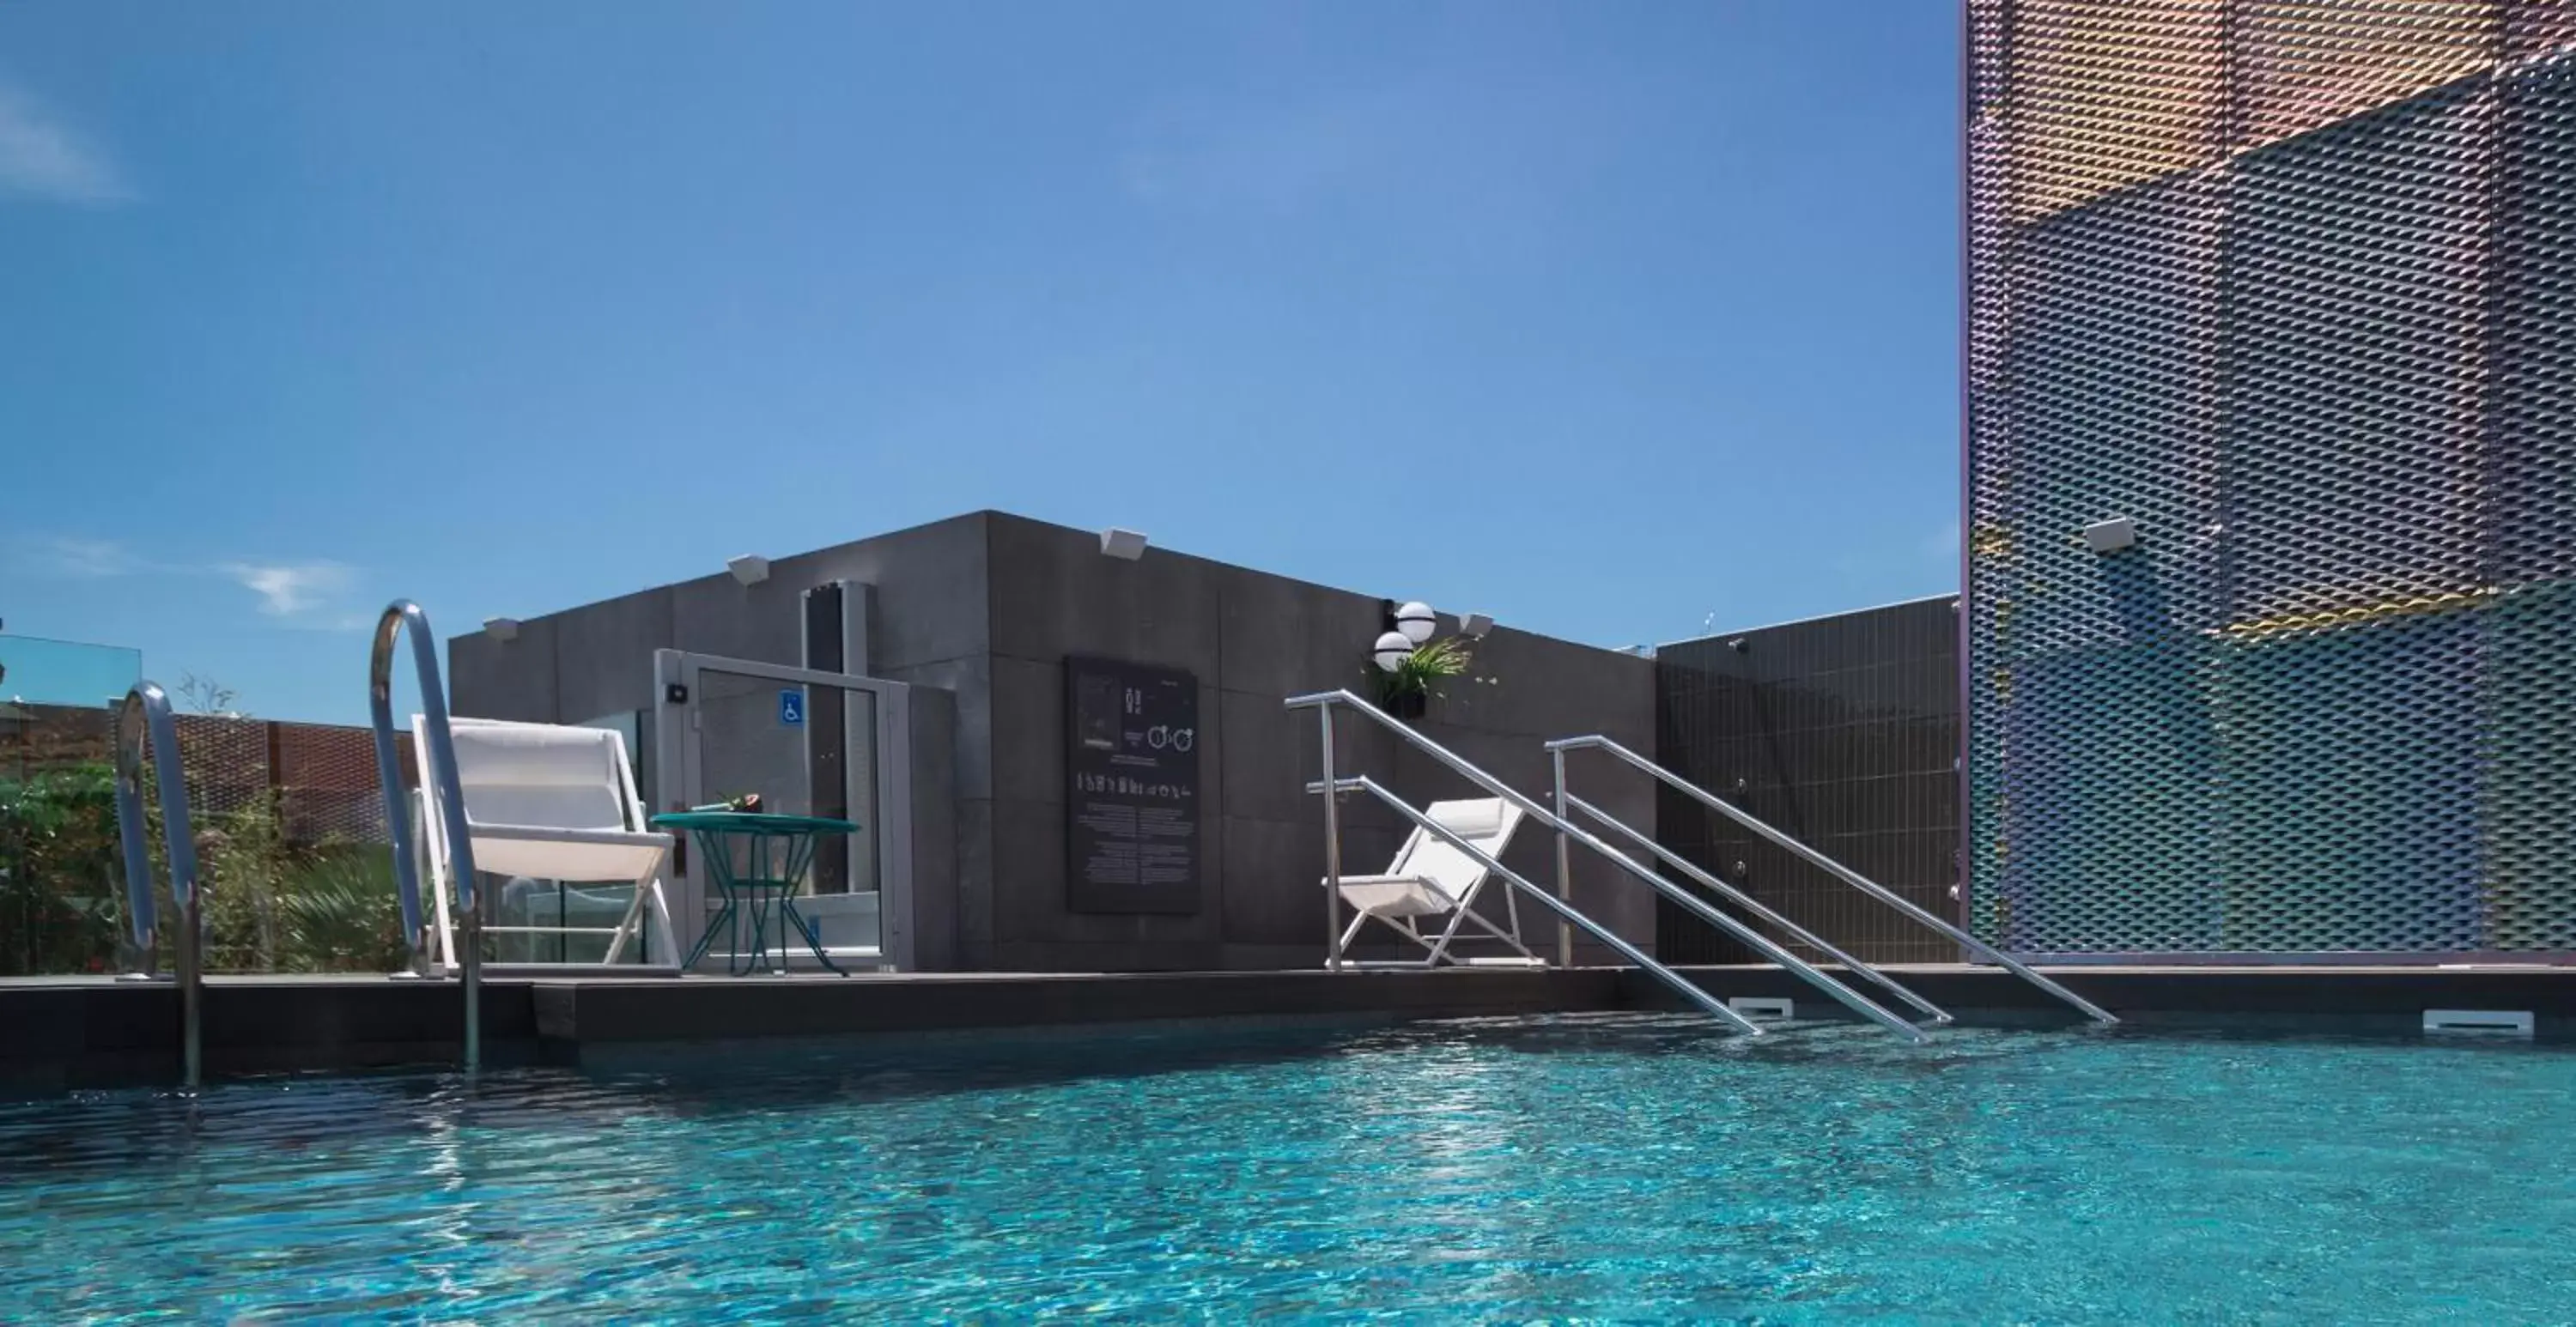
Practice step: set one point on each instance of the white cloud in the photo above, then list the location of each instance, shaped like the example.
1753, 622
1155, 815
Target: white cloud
42, 158
291, 589
305, 595
85, 559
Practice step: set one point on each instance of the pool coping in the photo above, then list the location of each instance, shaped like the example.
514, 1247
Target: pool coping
84, 1032
95, 1032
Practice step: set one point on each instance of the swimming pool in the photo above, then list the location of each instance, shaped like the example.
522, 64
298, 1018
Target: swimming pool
1623, 1167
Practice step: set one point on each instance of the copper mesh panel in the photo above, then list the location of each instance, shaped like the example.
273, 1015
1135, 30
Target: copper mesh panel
320, 779
2292, 285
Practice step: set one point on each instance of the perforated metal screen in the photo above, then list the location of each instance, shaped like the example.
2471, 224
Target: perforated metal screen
2293, 287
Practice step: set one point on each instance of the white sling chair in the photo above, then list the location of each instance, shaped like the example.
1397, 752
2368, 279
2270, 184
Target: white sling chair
547, 802
1431, 877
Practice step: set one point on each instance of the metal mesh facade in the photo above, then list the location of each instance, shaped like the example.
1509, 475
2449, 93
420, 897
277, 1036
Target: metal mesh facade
2292, 286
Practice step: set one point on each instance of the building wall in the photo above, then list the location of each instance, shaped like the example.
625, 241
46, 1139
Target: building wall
1841, 731
987, 607
2292, 287
1253, 640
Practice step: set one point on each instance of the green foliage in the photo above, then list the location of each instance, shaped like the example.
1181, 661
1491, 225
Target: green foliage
274, 906
61, 901
342, 913
1429, 663
269, 905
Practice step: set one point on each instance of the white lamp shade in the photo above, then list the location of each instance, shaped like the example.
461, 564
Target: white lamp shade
1391, 649
1416, 621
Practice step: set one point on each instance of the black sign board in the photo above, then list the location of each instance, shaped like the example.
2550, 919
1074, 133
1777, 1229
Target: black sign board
1132, 800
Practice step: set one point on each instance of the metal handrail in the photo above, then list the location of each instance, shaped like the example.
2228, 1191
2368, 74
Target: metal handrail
1758, 908
147, 707
1808, 972
451, 800
1831, 867
1598, 932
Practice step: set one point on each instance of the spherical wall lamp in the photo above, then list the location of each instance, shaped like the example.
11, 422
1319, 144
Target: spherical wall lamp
1417, 622
1391, 651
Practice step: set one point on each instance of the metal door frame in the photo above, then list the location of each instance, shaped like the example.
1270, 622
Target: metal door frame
678, 757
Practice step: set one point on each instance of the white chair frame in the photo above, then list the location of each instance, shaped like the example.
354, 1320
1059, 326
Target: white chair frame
649, 899
1420, 892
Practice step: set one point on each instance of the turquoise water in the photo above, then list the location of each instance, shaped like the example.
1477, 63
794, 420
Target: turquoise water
1633, 1168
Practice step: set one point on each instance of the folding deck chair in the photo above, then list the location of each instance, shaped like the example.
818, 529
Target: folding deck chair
1432, 877
548, 802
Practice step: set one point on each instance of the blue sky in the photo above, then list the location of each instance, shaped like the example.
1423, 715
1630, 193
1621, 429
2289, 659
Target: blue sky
1610, 320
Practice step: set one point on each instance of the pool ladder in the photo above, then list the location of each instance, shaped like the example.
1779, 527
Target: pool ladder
467, 898
146, 710
1570, 835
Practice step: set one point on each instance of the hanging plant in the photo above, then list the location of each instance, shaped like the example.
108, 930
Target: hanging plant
1414, 677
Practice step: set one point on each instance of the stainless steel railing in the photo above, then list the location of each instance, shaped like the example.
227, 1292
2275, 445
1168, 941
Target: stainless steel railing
1324, 703
1568, 801
1596, 930
147, 709
451, 804
1855, 879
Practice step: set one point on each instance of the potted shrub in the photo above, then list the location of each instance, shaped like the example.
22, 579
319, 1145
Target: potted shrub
1405, 690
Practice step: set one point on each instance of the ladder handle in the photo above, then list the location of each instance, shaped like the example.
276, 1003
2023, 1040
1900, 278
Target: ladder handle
1759, 909
1688, 989
1839, 871
1530, 807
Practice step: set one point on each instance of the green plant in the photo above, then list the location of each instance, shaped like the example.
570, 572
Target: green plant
1430, 663
269, 905
243, 863
341, 913
61, 905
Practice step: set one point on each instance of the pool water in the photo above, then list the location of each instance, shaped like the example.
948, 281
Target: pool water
1633, 1168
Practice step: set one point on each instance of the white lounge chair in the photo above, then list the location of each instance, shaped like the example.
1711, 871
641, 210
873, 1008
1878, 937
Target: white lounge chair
547, 802
1432, 877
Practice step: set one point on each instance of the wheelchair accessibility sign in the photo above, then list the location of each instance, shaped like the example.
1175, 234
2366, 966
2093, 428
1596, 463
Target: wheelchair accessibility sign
791, 709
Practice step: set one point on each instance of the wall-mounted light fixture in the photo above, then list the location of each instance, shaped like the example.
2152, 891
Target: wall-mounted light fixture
2112, 535
1125, 545
749, 569
1390, 651
503, 629
1416, 621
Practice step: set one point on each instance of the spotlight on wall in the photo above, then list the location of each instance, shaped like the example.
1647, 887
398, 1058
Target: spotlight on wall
1125, 545
2112, 535
1416, 620
1476, 626
749, 569
1391, 651
502, 629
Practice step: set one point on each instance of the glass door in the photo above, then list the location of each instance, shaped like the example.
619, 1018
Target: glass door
803, 743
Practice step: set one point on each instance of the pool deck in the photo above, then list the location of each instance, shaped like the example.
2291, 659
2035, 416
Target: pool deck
79, 1032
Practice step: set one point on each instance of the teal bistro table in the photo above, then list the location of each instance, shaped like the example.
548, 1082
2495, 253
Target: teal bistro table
753, 857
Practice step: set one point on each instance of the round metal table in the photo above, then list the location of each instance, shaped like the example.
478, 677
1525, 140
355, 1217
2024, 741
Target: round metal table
753, 857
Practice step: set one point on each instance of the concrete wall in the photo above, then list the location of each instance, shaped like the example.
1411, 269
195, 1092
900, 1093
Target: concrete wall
928, 626
988, 606
1254, 639
1841, 731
